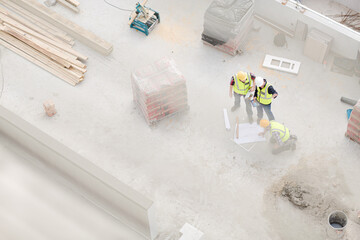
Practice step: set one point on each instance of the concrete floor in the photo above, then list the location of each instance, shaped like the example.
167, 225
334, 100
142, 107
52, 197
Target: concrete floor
187, 164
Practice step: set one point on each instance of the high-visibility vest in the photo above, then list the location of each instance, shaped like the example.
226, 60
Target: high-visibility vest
263, 96
242, 87
283, 131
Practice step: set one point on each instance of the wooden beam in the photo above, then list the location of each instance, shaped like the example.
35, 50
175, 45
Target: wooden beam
83, 35
61, 46
73, 2
15, 34
56, 32
277, 27
64, 58
83, 70
29, 57
68, 5
28, 24
66, 73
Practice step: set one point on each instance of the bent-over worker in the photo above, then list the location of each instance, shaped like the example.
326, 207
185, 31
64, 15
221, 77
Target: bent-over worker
281, 139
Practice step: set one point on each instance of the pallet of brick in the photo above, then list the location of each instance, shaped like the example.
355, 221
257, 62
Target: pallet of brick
353, 128
159, 90
227, 23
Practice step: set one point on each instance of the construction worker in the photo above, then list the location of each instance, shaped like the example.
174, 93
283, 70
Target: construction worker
264, 94
241, 83
281, 139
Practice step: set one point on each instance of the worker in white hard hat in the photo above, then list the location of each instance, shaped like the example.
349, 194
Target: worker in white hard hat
264, 94
241, 83
281, 139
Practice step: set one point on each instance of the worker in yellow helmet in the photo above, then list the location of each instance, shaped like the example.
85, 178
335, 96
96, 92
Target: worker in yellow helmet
241, 83
281, 138
264, 94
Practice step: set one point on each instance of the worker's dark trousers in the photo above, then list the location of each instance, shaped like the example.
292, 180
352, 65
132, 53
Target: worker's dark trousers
285, 147
267, 109
247, 103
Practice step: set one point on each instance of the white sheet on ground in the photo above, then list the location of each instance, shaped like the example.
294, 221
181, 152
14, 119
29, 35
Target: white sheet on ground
249, 133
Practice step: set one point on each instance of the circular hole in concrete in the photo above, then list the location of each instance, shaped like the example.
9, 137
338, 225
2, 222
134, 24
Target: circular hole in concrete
337, 220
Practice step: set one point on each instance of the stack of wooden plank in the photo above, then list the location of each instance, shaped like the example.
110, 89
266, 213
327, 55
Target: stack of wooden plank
46, 38
81, 34
159, 90
40, 42
71, 4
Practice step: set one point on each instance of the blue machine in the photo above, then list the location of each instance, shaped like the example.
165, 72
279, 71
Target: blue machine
143, 18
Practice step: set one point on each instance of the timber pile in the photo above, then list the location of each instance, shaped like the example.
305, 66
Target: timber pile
159, 90
41, 36
71, 4
41, 43
81, 34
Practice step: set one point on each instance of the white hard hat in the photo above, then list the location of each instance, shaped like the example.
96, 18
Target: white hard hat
259, 81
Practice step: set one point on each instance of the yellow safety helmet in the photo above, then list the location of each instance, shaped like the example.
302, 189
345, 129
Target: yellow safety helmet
264, 123
241, 75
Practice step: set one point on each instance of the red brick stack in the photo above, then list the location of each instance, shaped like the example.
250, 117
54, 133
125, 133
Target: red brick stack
353, 128
159, 90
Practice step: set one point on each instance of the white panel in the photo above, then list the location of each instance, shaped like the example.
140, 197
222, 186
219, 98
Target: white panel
190, 232
226, 119
81, 176
281, 64
317, 45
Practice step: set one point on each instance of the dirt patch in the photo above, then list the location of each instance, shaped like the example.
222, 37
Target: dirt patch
305, 197
315, 186
295, 194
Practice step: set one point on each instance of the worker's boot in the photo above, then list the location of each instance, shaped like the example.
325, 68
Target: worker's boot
293, 137
235, 107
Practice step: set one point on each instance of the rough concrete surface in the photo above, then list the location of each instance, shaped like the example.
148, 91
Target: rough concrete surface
317, 192
188, 164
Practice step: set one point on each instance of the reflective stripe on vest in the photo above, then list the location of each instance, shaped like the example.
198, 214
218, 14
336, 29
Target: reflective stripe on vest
263, 96
281, 129
242, 87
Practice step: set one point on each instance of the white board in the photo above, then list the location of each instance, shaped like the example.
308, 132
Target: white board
281, 64
80, 175
249, 133
189, 232
226, 119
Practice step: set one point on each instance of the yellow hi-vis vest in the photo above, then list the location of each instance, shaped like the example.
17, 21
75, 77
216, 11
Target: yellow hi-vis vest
263, 96
281, 129
242, 87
